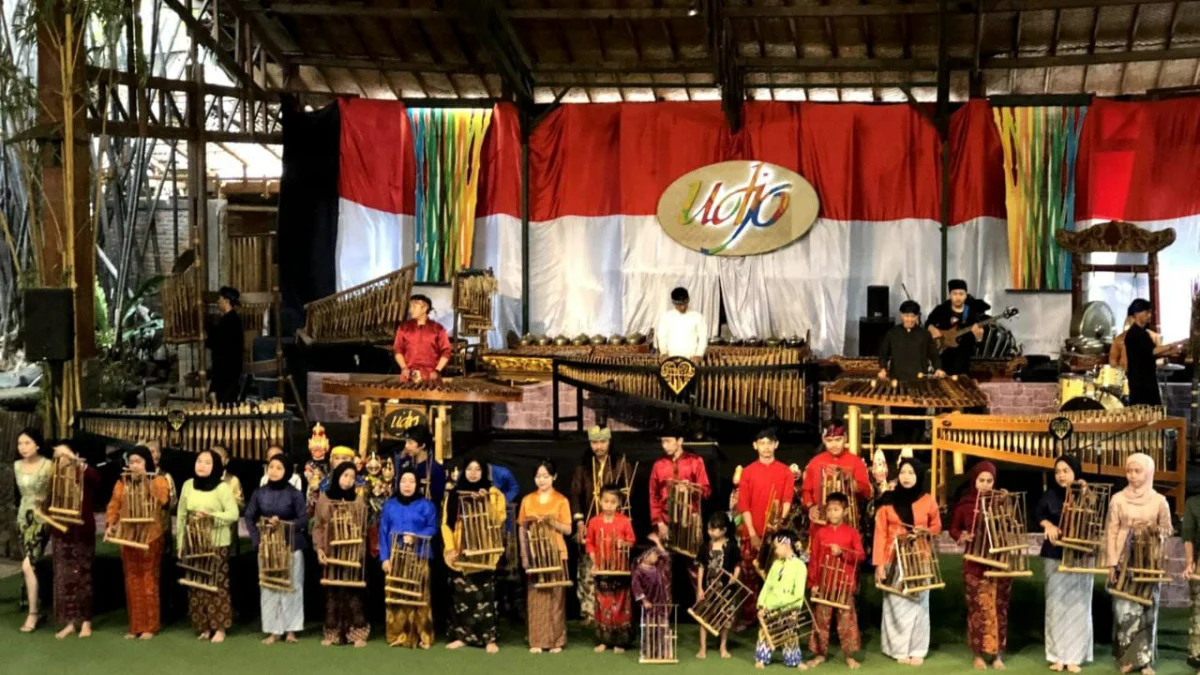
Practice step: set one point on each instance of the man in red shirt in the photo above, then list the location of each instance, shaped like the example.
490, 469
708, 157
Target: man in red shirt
835, 455
675, 465
762, 482
421, 346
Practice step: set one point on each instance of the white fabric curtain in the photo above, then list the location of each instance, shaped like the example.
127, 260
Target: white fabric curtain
498, 246
371, 243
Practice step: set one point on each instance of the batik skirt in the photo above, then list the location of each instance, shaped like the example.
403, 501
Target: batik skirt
1135, 628
1069, 634
142, 570
73, 579
547, 617
345, 620
987, 614
211, 611
614, 612
473, 611
905, 625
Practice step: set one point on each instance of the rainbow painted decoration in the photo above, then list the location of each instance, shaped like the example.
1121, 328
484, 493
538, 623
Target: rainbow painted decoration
738, 208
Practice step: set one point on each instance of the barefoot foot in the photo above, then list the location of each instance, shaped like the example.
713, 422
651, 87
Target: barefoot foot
1147, 671
599, 648
618, 650
557, 650
535, 650
204, 636
492, 648
979, 663
218, 637
146, 636
915, 661
359, 644
326, 642
290, 639
725, 654
852, 664
85, 630
130, 636
30, 624
270, 639
702, 655
904, 661
65, 632
760, 665
1057, 667
1074, 668
455, 645
998, 664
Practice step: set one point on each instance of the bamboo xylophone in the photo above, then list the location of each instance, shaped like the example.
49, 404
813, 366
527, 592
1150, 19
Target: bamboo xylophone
1081, 528
722, 601
914, 566
612, 557
1142, 567
835, 581
542, 555
139, 511
445, 390
659, 634
999, 539
244, 428
407, 582
946, 392
275, 554
347, 547
785, 627
198, 556
64, 503
685, 527
366, 313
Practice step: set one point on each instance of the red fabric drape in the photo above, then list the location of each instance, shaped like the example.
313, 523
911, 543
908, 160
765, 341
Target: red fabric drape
500, 165
377, 161
976, 164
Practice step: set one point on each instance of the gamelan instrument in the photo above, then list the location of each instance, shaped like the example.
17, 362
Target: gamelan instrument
955, 391
139, 512
754, 385
347, 546
1081, 528
366, 314
243, 428
836, 579
64, 502
408, 581
785, 627
542, 554
482, 536
951, 336
999, 540
612, 556
914, 566
723, 600
836, 479
275, 542
198, 556
444, 390
1142, 567
685, 529
659, 634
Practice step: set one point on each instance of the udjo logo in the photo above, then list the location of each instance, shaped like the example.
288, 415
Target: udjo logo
738, 208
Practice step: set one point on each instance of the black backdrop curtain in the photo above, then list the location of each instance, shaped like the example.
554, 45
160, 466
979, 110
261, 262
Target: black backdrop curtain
308, 204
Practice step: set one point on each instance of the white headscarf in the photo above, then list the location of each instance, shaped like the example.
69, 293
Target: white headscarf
1138, 496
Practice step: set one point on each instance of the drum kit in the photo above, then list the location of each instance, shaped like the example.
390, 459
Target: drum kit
1100, 389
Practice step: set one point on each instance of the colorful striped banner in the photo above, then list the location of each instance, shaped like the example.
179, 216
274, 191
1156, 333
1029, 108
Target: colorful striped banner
448, 145
1040, 148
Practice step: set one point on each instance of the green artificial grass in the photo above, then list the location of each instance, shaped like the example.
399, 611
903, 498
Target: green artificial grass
176, 650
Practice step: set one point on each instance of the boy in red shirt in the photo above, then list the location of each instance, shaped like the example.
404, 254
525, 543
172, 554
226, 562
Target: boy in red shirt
834, 544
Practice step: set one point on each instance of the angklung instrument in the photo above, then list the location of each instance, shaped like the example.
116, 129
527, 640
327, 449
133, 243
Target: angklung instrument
612, 556
1081, 528
836, 479
999, 539
659, 634
365, 314
408, 581
1142, 567
836, 580
914, 566
346, 550
542, 554
773, 522
623, 480
723, 600
139, 512
482, 535
63, 506
243, 428
785, 627
685, 527
275, 541
198, 556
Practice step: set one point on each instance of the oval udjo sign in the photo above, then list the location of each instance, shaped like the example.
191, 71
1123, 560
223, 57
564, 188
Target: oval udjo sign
738, 208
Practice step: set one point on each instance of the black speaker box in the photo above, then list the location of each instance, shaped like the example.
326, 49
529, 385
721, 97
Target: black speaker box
49, 324
877, 302
870, 335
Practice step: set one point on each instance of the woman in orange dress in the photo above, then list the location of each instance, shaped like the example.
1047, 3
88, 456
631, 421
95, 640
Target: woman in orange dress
547, 607
141, 566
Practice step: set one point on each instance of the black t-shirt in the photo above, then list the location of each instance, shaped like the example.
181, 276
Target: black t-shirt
1142, 370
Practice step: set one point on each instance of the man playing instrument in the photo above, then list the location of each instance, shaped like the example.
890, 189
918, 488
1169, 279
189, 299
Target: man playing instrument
1142, 349
766, 485
908, 351
599, 467
835, 455
960, 310
422, 347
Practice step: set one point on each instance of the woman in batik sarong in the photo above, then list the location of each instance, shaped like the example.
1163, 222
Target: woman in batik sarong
473, 611
546, 607
345, 619
987, 598
141, 566
408, 516
211, 612
73, 552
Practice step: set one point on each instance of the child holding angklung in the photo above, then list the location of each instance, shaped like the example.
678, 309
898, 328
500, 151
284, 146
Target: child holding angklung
721, 553
835, 543
783, 589
604, 532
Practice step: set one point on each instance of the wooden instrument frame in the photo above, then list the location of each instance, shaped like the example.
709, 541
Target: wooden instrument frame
685, 527
198, 556
722, 602
914, 566
1000, 541
543, 556
481, 535
660, 635
1142, 567
364, 314
785, 627
408, 582
838, 577
1081, 528
275, 548
139, 511
347, 546
243, 428
612, 559
63, 506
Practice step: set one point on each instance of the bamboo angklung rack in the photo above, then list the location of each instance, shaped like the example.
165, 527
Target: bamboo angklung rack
198, 556
139, 511
64, 503
685, 529
659, 634
482, 537
1142, 567
244, 428
408, 582
835, 585
914, 566
542, 555
723, 600
347, 547
785, 627
612, 557
275, 542
1000, 540
835, 479
1081, 528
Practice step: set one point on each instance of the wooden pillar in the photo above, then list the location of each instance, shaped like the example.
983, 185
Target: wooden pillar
1153, 274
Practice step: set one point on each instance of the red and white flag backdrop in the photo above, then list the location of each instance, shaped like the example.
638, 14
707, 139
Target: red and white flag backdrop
600, 263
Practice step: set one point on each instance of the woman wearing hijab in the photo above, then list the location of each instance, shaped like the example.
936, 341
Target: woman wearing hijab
906, 508
473, 611
73, 552
1069, 640
141, 566
987, 598
345, 620
1138, 505
211, 613
280, 502
407, 515
546, 607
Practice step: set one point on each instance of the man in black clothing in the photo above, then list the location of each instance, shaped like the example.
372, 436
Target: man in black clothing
960, 310
1142, 350
227, 342
908, 351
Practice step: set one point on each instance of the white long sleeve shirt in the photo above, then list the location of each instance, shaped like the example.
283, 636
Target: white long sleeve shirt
681, 334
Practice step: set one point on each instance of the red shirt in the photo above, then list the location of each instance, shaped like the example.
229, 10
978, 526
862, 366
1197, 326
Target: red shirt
760, 484
688, 467
422, 346
810, 494
845, 537
620, 529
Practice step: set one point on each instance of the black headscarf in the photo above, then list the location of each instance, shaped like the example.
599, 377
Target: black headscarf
143, 452
901, 498
464, 485
282, 483
1076, 469
213, 479
415, 495
334, 490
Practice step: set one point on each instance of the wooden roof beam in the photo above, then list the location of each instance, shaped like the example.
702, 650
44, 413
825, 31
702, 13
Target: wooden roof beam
1096, 58
500, 42
202, 35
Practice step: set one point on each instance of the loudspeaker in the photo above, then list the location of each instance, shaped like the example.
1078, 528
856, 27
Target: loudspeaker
870, 335
49, 324
877, 302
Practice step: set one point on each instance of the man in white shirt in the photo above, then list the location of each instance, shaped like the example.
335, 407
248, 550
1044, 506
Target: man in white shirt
681, 331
